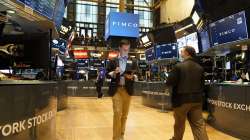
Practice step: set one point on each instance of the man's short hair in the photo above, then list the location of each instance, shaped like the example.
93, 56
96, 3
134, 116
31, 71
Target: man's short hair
190, 50
124, 42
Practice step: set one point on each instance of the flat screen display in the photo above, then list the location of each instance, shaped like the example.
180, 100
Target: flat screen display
205, 42
150, 54
43, 7
192, 40
164, 35
166, 51
33, 52
189, 40
229, 29
181, 42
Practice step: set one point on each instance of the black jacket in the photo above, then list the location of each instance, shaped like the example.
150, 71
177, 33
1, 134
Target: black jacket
129, 84
187, 81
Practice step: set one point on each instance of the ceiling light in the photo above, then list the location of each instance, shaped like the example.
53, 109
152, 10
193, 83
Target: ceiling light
183, 28
195, 17
10, 11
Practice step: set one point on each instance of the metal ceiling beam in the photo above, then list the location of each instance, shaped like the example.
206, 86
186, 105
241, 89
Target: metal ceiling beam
127, 5
146, 2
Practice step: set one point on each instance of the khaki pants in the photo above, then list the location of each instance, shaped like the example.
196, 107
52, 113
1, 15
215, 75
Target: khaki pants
193, 112
121, 102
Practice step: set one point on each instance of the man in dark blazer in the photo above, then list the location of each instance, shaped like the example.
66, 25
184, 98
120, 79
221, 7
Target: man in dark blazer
121, 72
187, 80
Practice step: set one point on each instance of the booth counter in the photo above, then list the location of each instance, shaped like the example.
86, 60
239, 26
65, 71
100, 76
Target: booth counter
61, 89
228, 104
229, 108
155, 94
28, 110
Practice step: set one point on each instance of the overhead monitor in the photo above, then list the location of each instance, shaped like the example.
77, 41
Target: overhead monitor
205, 41
230, 29
150, 54
164, 35
192, 40
166, 51
43, 7
189, 40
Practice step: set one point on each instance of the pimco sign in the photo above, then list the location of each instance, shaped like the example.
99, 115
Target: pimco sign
122, 25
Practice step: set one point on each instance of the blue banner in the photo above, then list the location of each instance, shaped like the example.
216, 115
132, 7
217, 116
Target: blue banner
122, 24
166, 51
229, 29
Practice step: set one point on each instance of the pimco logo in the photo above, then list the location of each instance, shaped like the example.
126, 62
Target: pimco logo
125, 24
227, 32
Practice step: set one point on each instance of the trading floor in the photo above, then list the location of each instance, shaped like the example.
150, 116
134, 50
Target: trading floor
91, 119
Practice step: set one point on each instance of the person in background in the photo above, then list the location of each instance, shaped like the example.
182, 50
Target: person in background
121, 72
143, 74
136, 77
244, 77
148, 75
164, 74
187, 80
99, 82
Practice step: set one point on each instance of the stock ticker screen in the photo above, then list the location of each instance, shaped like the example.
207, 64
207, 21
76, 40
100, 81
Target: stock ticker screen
43, 7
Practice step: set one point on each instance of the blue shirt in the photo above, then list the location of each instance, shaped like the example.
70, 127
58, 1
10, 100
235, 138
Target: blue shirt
122, 65
102, 74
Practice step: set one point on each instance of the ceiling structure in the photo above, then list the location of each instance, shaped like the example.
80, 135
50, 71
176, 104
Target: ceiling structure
216, 9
